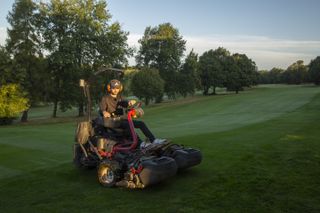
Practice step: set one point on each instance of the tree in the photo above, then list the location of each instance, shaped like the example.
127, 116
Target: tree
275, 75
23, 44
6, 74
233, 75
241, 72
12, 102
248, 68
79, 38
162, 48
212, 65
129, 73
314, 70
147, 84
296, 73
263, 77
189, 79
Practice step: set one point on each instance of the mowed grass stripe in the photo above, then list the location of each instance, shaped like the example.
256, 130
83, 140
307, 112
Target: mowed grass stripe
225, 112
45, 137
27, 148
18, 161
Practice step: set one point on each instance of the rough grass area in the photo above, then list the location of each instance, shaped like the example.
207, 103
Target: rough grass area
261, 153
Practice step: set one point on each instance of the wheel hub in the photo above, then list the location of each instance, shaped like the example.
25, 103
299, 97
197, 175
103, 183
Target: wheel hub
107, 175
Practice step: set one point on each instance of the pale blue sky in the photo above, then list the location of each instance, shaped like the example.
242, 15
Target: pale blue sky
272, 33
287, 19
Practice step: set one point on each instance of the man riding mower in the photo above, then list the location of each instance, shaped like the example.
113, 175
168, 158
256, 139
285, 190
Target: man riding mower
112, 105
111, 144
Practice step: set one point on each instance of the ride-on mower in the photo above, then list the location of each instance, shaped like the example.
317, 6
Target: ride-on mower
118, 156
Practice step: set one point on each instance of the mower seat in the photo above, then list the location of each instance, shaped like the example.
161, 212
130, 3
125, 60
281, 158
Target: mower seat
116, 131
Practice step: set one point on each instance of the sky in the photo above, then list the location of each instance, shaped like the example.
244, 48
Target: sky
273, 33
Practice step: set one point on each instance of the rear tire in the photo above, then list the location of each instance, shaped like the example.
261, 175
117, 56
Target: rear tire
109, 173
79, 158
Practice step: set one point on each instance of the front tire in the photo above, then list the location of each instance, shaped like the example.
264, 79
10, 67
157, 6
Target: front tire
109, 173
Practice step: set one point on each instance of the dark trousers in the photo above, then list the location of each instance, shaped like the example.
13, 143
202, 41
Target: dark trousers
140, 125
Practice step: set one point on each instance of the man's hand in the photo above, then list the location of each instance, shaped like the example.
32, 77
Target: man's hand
106, 114
132, 102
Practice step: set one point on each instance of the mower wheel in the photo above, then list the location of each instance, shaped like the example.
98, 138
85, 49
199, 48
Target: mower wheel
109, 172
79, 158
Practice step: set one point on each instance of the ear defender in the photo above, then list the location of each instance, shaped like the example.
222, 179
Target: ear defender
109, 87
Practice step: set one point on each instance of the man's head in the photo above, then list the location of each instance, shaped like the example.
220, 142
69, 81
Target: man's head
114, 87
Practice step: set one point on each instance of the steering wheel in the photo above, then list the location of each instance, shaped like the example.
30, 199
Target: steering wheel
138, 111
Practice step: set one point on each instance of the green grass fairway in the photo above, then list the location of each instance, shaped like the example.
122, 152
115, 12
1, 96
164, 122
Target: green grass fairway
261, 153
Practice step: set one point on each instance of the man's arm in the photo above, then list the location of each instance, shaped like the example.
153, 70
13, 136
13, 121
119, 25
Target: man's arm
126, 103
123, 103
104, 107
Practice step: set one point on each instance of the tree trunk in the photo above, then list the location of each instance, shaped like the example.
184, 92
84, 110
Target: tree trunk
24, 117
159, 99
55, 107
147, 101
214, 90
81, 109
237, 91
205, 90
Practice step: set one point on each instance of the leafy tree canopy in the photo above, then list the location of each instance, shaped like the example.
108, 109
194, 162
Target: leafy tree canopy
79, 38
147, 84
314, 69
212, 68
296, 73
12, 101
189, 79
162, 47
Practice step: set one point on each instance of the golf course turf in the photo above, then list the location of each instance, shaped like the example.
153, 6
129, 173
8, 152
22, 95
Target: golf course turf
261, 153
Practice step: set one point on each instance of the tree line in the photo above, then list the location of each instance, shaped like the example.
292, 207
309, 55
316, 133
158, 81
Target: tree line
296, 73
52, 44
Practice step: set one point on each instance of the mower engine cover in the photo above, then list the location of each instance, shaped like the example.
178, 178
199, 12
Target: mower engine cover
105, 144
